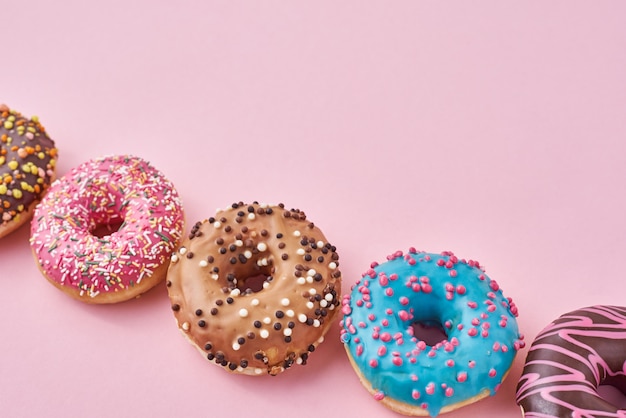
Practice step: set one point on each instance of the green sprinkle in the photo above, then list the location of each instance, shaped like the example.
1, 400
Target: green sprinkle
163, 237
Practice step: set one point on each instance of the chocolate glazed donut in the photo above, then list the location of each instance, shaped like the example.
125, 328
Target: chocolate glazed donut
569, 359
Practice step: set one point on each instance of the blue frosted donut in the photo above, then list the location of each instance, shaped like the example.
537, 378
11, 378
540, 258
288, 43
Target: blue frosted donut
405, 373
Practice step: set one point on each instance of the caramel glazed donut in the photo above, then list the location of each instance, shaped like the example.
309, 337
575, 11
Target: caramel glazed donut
27, 167
255, 288
569, 359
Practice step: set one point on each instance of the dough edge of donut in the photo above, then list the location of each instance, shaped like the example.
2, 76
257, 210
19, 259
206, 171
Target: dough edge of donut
413, 410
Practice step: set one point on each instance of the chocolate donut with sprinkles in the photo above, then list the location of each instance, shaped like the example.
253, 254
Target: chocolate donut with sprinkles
104, 232
27, 167
570, 359
382, 315
255, 288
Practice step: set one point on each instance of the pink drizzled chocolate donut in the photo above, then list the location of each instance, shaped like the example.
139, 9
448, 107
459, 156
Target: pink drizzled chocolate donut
569, 359
109, 192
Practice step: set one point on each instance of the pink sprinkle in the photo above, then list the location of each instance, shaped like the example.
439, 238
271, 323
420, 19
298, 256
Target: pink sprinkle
432, 353
496, 346
359, 350
491, 295
385, 337
412, 250
449, 392
482, 277
475, 321
359, 303
430, 388
362, 324
471, 364
502, 323
427, 288
416, 287
461, 377
404, 300
505, 348
472, 305
448, 347
414, 377
389, 311
484, 333
460, 289
459, 327
453, 273
448, 324
368, 305
449, 264
472, 332
389, 291
404, 315
382, 350
411, 261
379, 396
450, 363
492, 373
383, 280
371, 317
415, 394
393, 276
373, 363
397, 361
491, 308
385, 322
440, 262
449, 287
454, 341
413, 279
494, 286
421, 345
449, 295
346, 310
352, 329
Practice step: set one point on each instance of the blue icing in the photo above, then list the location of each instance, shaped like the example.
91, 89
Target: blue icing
482, 333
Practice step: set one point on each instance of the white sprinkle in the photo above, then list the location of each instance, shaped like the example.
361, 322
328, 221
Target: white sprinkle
174, 258
312, 291
311, 272
266, 285
251, 216
290, 313
301, 280
267, 320
300, 251
309, 279
217, 224
316, 323
243, 312
332, 265
309, 305
323, 303
329, 297
287, 332
299, 360
284, 301
239, 243
247, 254
258, 370
296, 233
215, 276
203, 263
236, 346
235, 292
321, 340
185, 326
254, 302
261, 246
182, 250
302, 318
331, 307
320, 244
264, 333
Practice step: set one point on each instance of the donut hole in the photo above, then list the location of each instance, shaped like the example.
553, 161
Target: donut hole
430, 331
613, 390
106, 229
254, 281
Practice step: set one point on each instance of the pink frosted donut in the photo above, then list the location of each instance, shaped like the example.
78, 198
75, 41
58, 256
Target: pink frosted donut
74, 237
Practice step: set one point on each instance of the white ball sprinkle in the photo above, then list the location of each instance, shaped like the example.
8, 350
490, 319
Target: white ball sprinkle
300, 251
261, 246
302, 318
215, 276
316, 323
243, 312
185, 326
239, 243
284, 301
182, 250
254, 302
312, 291
203, 263
332, 265
236, 346
309, 305
311, 272
301, 280
287, 332
264, 333
296, 233
251, 216
329, 297
323, 303
217, 224
247, 254
320, 244
235, 292
267, 320
174, 258
290, 313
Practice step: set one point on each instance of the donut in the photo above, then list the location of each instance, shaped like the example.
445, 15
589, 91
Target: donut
255, 288
569, 359
400, 368
104, 232
27, 167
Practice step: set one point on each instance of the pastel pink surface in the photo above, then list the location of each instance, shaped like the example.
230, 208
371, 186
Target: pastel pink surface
496, 131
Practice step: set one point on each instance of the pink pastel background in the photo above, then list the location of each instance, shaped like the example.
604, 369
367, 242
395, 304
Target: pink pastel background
496, 130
